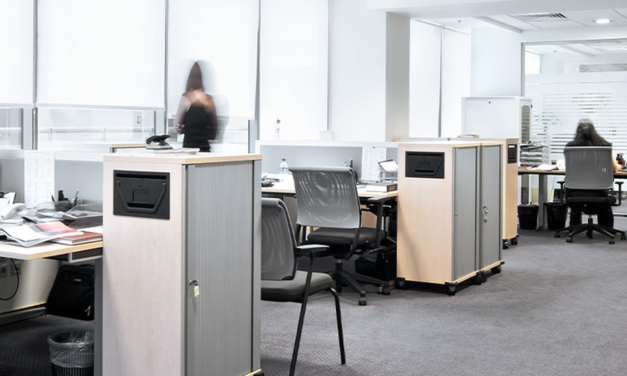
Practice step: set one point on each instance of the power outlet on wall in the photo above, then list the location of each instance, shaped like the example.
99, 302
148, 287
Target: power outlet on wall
138, 118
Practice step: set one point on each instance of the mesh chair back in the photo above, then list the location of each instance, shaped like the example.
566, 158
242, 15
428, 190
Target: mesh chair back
589, 167
327, 197
278, 261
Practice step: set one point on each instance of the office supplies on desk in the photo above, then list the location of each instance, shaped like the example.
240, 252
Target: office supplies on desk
6, 199
158, 142
28, 235
85, 237
12, 211
381, 187
546, 167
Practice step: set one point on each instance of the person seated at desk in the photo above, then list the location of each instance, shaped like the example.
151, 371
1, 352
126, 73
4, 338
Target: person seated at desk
587, 136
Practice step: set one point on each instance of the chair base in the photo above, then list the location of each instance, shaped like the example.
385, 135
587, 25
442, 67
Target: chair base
340, 276
589, 228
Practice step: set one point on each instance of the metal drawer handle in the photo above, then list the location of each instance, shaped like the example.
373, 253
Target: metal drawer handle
485, 214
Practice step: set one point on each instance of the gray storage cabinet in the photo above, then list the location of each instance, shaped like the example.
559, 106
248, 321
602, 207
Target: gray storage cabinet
181, 284
449, 211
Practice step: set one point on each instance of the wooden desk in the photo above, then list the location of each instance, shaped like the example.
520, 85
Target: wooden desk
70, 253
286, 187
542, 189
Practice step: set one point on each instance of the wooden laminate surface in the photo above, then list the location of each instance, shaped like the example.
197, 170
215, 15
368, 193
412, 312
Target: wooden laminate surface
44, 250
179, 159
531, 171
286, 187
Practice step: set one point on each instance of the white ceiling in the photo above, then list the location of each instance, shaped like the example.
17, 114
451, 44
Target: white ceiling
572, 20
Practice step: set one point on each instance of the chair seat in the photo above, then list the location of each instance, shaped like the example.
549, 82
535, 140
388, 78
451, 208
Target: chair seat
591, 200
292, 291
338, 236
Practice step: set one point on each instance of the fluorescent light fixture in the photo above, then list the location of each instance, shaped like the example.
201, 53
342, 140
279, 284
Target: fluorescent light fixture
603, 21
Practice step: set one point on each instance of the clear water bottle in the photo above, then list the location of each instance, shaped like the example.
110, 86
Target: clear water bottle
283, 167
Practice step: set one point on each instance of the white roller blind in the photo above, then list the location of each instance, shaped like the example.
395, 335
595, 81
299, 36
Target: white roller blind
222, 34
424, 79
294, 68
16, 52
101, 53
455, 80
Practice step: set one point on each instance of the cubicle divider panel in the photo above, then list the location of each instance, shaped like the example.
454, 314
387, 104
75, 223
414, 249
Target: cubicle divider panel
464, 212
82, 176
309, 155
490, 210
219, 238
142, 274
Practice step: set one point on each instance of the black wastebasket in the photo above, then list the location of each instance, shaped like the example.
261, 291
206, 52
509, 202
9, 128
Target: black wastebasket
556, 213
72, 353
528, 216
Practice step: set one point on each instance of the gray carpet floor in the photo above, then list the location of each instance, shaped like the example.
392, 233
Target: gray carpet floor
556, 309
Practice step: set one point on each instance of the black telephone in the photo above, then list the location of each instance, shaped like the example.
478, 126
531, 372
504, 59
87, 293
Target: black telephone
158, 142
619, 159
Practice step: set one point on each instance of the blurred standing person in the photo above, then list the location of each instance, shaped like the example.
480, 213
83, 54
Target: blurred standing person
196, 116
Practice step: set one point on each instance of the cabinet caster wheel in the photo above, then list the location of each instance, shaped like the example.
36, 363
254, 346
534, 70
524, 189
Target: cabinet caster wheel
558, 235
479, 279
450, 290
401, 284
496, 269
569, 239
514, 241
362, 301
505, 245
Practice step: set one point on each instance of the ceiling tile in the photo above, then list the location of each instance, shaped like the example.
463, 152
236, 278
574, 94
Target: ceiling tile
566, 24
587, 17
514, 22
622, 11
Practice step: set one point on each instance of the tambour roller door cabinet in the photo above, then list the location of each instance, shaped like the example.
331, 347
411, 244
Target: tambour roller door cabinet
181, 277
441, 198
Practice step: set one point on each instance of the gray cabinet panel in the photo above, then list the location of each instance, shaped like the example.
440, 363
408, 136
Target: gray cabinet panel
465, 212
490, 208
219, 256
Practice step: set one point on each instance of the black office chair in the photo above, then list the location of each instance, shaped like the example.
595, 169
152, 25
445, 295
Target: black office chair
328, 205
280, 280
589, 185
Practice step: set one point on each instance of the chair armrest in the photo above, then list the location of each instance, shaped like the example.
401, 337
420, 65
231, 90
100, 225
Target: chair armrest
313, 250
561, 183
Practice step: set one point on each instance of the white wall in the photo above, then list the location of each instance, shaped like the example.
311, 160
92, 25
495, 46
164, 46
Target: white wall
495, 63
357, 71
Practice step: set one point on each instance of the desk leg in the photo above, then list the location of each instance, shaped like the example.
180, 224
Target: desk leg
98, 320
542, 195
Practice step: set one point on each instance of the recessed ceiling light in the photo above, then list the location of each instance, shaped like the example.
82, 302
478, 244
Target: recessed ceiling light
603, 21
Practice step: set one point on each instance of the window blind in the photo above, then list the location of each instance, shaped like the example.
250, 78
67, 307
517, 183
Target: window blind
561, 99
16, 49
294, 68
222, 35
101, 53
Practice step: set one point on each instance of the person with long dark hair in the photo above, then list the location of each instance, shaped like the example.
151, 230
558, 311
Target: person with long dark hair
196, 116
586, 135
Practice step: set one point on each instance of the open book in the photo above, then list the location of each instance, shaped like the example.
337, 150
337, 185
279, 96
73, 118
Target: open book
30, 234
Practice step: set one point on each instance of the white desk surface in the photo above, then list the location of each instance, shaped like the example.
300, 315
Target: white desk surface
286, 186
44, 250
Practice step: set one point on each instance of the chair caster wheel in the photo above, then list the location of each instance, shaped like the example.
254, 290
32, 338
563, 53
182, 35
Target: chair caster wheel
623, 237
569, 239
558, 235
496, 269
589, 234
611, 241
362, 301
385, 290
450, 290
